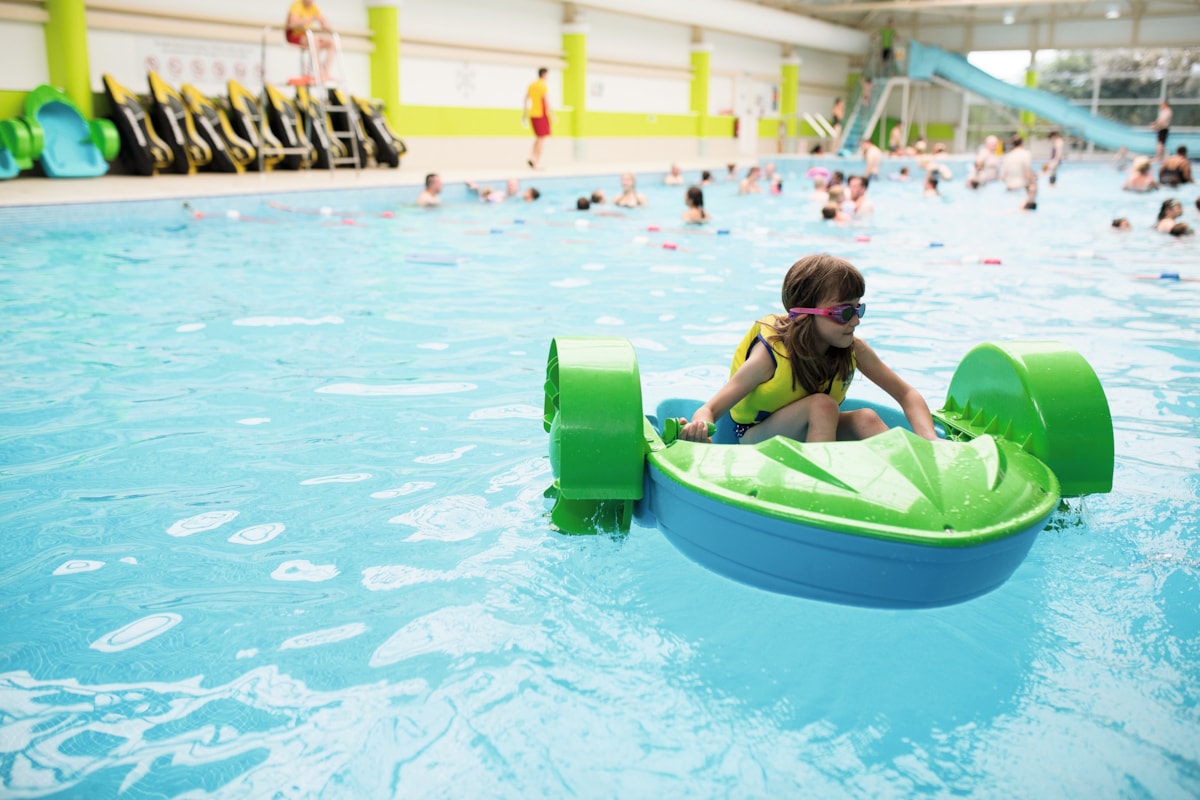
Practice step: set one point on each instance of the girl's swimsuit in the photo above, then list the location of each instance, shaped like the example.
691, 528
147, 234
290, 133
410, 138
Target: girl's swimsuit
778, 390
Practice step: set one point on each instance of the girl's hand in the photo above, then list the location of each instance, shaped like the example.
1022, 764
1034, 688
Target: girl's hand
696, 431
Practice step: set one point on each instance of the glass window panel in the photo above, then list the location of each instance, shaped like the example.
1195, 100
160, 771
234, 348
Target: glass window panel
1129, 87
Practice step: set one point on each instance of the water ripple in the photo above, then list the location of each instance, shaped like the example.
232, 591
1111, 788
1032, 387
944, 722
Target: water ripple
209, 520
137, 632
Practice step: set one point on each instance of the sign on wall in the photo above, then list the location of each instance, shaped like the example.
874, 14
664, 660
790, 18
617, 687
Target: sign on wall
207, 64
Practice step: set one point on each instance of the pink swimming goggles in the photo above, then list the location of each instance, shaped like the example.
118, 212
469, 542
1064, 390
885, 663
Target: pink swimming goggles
842, 313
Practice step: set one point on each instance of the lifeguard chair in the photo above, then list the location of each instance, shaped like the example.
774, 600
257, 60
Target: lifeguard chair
312, 88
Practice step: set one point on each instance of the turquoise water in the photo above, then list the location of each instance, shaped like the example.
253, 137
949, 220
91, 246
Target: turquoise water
272, 495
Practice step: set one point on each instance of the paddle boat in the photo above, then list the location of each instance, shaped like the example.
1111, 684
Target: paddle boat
60, 138
894, 521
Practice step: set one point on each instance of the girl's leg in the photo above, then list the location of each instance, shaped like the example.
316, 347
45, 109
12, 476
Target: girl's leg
809, 419
861, 424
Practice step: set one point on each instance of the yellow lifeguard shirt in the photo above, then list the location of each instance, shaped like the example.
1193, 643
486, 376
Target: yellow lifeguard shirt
537, 95
306, 14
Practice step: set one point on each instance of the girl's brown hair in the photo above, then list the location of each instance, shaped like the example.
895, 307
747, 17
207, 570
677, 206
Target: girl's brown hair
811, 281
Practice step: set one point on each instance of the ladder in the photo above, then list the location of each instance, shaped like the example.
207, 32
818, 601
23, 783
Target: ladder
341, 146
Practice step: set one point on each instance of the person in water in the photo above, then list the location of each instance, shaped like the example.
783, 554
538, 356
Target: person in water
791, 370
695, 212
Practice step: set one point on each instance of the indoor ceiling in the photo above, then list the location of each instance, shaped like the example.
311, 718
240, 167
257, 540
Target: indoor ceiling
869, 15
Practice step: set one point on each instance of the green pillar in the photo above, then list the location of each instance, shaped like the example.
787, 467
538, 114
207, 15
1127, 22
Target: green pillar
574, 88
789, 88
384, 18
701, 72
67, 51
1028, 118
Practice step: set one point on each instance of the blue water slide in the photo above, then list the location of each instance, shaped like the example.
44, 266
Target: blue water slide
926, 61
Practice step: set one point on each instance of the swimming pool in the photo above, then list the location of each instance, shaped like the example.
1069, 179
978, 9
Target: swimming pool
272, 495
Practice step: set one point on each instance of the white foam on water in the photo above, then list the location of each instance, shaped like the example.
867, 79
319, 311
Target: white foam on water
454, 518
326, 636
253, 420
395, 389
302, 570
676, 269
433, 346
646, 344
137, 632
665, 317
207, 521
258, 534
517, 411
720, 339
408, 488
396, 576
455, 631
609, 321
521, 474
251, 653
592, 267
442, 458
129, 560
348, 477
275, 322
188, 327
570, 283
77, 565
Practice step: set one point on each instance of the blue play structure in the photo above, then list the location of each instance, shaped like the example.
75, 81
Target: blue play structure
927, 61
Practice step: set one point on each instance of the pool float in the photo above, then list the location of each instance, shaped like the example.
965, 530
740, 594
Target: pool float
175, 124
245, 115
230, 152
143, 151
388, 146
894, 521
65, 144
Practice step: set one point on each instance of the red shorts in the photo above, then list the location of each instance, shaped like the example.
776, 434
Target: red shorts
541, 126
296, 37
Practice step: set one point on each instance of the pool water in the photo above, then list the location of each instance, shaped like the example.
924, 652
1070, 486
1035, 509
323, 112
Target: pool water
272, 494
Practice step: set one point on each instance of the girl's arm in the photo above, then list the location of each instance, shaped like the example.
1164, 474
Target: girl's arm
758, 367
911, 402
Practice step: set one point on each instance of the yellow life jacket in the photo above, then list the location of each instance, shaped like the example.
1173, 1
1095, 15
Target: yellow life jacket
777, 391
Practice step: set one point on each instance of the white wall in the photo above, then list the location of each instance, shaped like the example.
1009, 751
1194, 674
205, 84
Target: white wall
530, 26
24, 61
637, 93
472, 83
614, 37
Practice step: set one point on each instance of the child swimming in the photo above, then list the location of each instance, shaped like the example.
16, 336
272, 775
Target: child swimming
791, 371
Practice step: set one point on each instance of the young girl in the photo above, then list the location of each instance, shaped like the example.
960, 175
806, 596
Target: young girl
1170, 211
791, 371
695, 213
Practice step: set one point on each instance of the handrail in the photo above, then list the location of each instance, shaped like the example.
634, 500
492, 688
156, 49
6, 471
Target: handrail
821, 125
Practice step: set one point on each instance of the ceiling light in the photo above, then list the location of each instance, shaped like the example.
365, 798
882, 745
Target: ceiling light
1112, 13
1009, 18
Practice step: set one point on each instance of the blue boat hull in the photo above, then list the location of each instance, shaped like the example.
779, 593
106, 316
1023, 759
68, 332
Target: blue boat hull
823, 564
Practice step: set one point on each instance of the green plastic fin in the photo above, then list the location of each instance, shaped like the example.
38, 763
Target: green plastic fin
591, 516
106, 138
593, 411
15, 138
1043, 396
